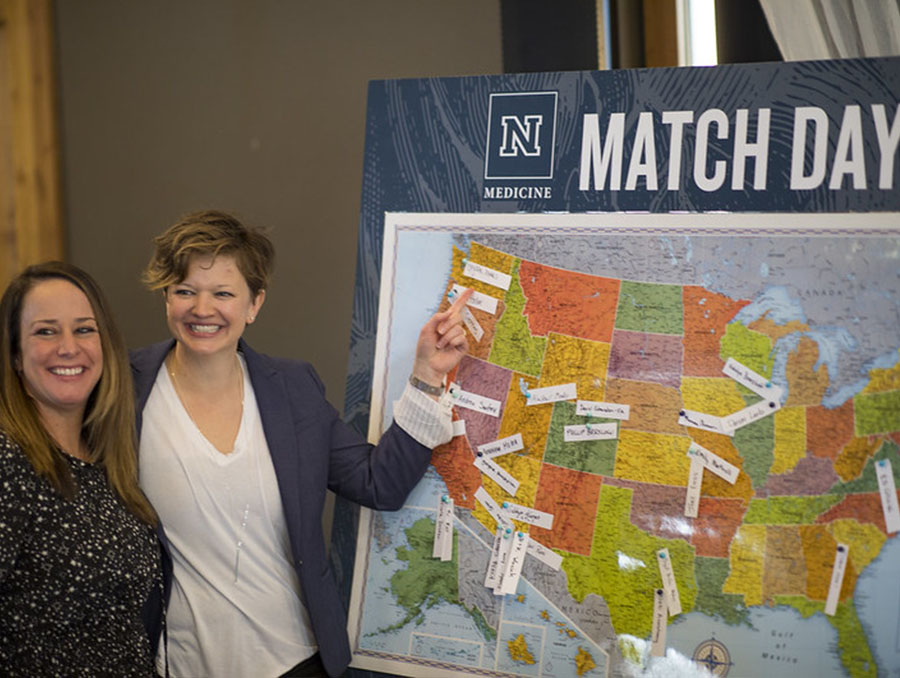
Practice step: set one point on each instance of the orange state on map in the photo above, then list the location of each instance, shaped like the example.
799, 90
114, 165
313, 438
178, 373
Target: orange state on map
863, 508
806, 385
819, 549
828, 430
453, 462
653, 407
706, 314
571, 497
716, 524
567, 302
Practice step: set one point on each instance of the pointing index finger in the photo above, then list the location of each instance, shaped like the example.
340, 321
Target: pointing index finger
461, 300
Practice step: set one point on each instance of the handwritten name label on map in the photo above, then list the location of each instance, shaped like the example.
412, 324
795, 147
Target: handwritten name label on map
459, 427
600, 431
497, 474
551, 394
473, 401
492, 576
594, 408
695, 480
703, 421
528, 515
443, 530
492, 507
752, 413
506, 445
471, 322
483, 302
502, 560
715, 463
514, 563
755, 382
837, 579
487, 275
660, 622
888, 490
550, 558
673, 601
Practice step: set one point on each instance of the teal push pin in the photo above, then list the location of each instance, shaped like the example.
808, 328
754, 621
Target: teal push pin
521, 535
445, 499
507, 532
451, 294
523, 387
587, 423
506, 504
882, 463
662, 555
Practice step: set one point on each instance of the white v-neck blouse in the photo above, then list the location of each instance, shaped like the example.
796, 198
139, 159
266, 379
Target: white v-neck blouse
236, 607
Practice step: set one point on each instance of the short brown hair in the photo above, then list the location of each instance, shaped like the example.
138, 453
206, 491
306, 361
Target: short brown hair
210, 232
108, 426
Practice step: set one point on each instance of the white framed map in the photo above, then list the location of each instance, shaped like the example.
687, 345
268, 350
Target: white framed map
767, 342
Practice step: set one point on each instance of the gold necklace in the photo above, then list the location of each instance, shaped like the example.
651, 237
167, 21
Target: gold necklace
174, 378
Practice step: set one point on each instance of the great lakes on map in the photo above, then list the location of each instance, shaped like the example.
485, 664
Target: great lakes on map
649, 321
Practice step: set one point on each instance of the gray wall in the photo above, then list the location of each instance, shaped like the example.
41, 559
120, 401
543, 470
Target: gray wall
253, 106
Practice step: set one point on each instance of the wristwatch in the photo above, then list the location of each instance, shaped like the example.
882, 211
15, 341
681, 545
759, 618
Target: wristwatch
424, 387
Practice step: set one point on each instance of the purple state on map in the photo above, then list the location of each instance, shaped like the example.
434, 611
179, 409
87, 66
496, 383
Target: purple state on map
646, 357
484, 379
811, 476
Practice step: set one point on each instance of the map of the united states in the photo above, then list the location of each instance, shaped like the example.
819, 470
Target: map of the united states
807, 478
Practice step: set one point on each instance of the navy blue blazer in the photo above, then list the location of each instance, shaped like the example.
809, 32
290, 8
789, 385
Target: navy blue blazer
311, 449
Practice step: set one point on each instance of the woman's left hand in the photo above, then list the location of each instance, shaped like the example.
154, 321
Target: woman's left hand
442, 343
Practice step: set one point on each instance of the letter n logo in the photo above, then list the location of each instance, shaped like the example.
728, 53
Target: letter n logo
521, 135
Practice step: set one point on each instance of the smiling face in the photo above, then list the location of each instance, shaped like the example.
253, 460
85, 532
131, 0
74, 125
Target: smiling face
61, 357
208, 310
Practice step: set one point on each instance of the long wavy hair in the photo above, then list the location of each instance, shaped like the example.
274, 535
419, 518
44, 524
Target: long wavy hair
108, 427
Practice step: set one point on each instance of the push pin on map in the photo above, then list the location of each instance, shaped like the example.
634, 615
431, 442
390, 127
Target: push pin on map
521, 535
506, 504
771, 404
523, 386
587, 423
507, 532
445, 499
451, 294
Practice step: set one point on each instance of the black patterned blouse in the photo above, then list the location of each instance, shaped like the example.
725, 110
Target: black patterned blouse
74, 575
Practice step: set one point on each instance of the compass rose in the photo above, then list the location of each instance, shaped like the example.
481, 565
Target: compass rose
715, 656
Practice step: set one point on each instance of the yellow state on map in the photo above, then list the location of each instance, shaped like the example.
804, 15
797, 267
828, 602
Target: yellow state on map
532, 421
491, 258
881, 380
711, 395
570, 359
652, 458
790, 439
806, 384
863, 539
746, 556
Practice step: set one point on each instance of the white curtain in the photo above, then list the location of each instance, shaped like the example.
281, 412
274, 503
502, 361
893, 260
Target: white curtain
833, 29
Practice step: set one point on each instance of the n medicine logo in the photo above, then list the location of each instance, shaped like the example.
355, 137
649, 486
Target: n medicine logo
521, 137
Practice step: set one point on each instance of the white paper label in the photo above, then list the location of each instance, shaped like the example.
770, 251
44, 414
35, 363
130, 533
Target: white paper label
593, 408
514, 563
459, 427
482, 302
502, 446
750, 414
443, 530
497, 474
695, 480
550, 558
715, 463
528, 515
837, 579
755, 382
598, 431
551, 394
492, 507
660, 623
705, 422
487, 275
673, 602
492, 578
506, 545
471, 322
473, 401
888, 490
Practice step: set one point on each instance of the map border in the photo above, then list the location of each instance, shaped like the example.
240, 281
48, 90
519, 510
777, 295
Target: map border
641, 223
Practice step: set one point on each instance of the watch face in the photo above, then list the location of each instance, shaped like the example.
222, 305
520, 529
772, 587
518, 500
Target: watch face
714, 656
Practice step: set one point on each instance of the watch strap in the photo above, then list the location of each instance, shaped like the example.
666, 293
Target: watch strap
425, 387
